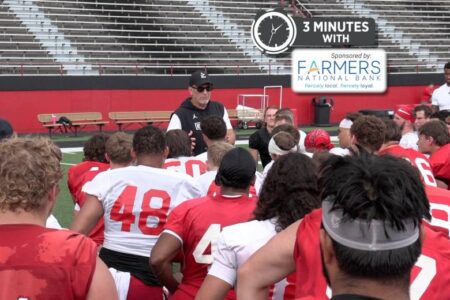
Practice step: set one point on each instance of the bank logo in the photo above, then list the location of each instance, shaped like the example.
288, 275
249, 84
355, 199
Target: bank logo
339, 70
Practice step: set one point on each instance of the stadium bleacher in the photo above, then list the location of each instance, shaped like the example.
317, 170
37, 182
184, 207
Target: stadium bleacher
113, 37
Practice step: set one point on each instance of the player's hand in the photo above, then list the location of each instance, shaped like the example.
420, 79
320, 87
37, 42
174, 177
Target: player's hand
190, 134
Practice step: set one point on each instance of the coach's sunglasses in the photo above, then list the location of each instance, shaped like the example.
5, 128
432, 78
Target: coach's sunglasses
200, 89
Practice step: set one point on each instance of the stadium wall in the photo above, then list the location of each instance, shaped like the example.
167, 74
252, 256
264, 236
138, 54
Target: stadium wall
22, 98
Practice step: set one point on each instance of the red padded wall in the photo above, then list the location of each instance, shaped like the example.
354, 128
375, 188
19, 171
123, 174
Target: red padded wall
21, 107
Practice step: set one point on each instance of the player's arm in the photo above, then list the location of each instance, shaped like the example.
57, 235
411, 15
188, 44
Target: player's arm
89, 215
213, 288
231, 136
254, 154
222, 273
268, 265
163, 253
102, 284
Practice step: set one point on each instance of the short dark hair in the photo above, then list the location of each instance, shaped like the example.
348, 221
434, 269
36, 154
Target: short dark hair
237, 169
447, 65
369, 132
436, 129
352, 116
289, 191
289, 129
425, 108
149, 140
393, 132
365, 187
94, 148
214, 128
441, 115
179, 143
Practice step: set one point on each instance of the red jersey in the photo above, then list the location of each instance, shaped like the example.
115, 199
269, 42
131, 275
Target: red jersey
40, 263
77, 177
430, 277
416, 158
439, 208
197, 223
440, 164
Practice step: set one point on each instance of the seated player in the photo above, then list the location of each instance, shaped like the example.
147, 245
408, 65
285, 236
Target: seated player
318, 140
6, 132
391, 146
118, 153
37, 262
205, 181
135, 202
179, 158
434, 139
285, 116
214, 130
195, 225
94, 162
396, 201
344, 135
289, 192
367, 132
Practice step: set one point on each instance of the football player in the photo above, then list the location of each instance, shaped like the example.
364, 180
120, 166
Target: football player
135, 202
396, 200
179, 158
289, 192
38, 262
195, 225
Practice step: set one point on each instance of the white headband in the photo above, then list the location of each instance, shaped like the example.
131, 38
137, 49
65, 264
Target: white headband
360, 234
274, 149
346, 123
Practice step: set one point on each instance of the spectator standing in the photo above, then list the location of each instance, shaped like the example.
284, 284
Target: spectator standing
259, 140
441, 96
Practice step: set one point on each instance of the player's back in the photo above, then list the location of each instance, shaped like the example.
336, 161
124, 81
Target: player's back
198, 224
76, 177
416, 158
40, 263
430, 277
187, 165
439, 208
208, 187
136, 201
236, 244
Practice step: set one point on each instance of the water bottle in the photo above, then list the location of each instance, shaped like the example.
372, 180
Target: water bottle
53, 119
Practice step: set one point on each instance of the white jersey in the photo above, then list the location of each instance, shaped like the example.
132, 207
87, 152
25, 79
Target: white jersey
52, 222
136, 201
202, 156
409, 140
236, 244
441, 97
187, 165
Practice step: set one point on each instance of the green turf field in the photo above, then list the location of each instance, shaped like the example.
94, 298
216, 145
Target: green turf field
64, 206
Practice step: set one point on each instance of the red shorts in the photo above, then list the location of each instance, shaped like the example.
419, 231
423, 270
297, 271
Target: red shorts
138, 290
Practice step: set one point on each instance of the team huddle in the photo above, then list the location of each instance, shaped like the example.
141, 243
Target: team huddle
156, 219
